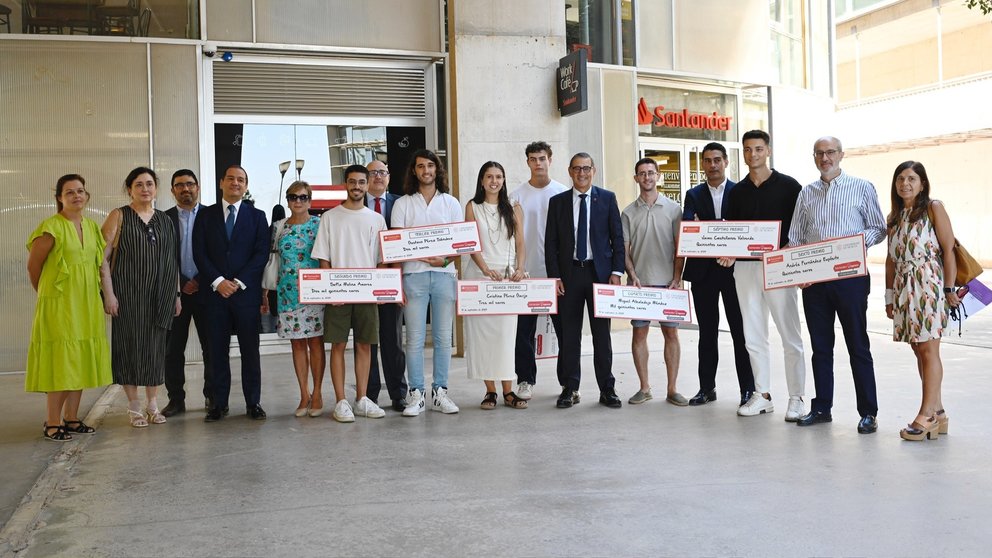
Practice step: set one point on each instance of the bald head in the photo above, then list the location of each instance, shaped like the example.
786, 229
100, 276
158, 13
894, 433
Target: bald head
378, 178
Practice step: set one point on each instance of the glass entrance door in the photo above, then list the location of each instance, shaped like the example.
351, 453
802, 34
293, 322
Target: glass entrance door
678, 168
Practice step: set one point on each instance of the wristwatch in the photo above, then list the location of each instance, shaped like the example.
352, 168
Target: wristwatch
948, 290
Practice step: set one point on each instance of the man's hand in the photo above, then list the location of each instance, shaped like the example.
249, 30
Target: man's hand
561, 288
804, 285
179, 307
436, 261
675, 284
726, 262
614, 279
634, 281
191, 287
226, 288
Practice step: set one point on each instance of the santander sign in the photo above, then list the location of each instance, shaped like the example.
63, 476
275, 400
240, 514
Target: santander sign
683, 119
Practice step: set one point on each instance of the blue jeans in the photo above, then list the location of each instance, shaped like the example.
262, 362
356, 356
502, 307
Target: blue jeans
436, 289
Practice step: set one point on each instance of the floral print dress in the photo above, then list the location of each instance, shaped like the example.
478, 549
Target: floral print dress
920, 310
297, 321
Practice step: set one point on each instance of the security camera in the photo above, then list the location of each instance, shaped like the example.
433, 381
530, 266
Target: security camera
209, 50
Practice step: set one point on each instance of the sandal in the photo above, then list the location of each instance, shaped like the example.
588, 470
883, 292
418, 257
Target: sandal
137, 419
77, 427
155, 417
59, 435
489, 401
513, 400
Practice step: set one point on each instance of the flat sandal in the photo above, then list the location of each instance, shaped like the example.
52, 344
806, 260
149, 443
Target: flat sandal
77, 427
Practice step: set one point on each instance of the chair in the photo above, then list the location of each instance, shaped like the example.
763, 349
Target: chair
143, 22
5, 16
119, 20
31, 22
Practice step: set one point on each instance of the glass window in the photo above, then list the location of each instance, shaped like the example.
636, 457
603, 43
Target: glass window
677, 113
788, 54
589, 25
130, 18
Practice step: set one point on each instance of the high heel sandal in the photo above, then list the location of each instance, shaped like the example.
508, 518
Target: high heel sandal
137, 419
77, 427
302, 411
155, 417
943, 420
60, 435
916, 432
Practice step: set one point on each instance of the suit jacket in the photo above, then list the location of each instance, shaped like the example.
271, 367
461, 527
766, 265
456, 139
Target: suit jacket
605, 235
242, 257
387, 205
173, 213
699, 202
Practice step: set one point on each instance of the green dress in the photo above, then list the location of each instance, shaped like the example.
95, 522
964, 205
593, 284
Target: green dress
69, 349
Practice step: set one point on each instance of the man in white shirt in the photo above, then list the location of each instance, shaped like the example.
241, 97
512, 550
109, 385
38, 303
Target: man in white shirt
533, 196
348, 237
428, 282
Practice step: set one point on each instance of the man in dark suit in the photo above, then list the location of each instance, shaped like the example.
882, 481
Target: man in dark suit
380, 200
583, 245
186, 190
230, 249
708, 202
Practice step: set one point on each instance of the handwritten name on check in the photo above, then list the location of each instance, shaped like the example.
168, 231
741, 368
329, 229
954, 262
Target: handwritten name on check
727, 239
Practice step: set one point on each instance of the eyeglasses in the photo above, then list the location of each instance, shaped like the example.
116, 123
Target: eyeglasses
382, 172
297, 197
647, 174
582, 170
150, 234
828, 153
182, 185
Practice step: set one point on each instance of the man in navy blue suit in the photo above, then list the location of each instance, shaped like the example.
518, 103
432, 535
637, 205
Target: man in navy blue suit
583, 245
708, 202
230, 249
380, 200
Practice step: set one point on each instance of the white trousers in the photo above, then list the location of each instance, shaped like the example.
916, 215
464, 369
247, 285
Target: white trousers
783, 305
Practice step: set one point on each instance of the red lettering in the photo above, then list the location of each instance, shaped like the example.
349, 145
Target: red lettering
683, 119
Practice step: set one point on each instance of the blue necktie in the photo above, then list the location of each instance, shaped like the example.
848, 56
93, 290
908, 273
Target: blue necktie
581, 251
229, 224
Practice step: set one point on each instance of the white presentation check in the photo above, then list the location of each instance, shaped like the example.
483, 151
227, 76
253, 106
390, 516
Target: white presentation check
530, 296
727, 239
838, 258
450, 239
350, 286
631, 303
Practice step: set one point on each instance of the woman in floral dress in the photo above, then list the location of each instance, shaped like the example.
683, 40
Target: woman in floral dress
302, 324
919, 281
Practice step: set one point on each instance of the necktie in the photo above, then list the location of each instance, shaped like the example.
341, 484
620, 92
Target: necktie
581, 251
229, 223
378, 206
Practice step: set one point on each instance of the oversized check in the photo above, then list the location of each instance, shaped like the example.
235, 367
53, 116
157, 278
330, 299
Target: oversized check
449, 239
838, 258
727, 239
645, 303
530, 296
352, 286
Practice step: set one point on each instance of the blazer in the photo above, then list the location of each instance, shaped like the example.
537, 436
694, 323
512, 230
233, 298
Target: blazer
699, 202
605, 235
387, 205
173, 213
242, 257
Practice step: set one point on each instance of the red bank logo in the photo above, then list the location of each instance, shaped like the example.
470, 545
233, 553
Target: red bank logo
385, 292
539, 304
606, 292
683, 119
470, 288
775, 259
311, 277
388, 237
674, 312
759, 247
466, 244
690, 229
847, 266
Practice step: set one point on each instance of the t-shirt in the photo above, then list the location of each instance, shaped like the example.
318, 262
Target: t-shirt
534, 203
651, 231
349, 238
413, 211
774, 200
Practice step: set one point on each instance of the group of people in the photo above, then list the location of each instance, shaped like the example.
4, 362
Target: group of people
153, 272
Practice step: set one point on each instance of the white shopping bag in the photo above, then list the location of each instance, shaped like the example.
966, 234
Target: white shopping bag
545, 339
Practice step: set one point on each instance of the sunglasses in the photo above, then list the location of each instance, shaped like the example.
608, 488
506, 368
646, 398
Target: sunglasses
297, 197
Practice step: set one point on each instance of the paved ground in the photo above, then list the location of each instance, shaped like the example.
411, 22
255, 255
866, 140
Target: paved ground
648, 480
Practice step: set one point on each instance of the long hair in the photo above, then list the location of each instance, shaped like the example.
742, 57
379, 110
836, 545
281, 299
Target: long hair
502, 200
922, 200
60, 185
411, 185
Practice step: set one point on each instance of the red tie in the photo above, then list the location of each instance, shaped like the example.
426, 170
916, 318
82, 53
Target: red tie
378, 206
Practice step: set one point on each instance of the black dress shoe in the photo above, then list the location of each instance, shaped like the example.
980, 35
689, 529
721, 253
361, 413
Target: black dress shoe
745, 395
867, 425
703, 397
255, 412
399, 405
174, 408
814, 417
213, 415
566, 399
610, 400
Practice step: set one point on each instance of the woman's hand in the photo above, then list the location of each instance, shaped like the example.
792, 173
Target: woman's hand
953, 300
110, 305
179, 307
518, 274
493, 275
888, 310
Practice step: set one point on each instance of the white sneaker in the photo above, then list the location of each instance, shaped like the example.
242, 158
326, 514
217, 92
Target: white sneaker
343, 412
414, 403
365, 407
443, 403
796, 409
525, 391
757, 405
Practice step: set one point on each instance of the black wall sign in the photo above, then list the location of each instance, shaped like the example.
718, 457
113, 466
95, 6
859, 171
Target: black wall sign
573, 96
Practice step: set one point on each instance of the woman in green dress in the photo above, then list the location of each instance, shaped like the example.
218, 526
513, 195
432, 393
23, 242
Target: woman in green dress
68, 351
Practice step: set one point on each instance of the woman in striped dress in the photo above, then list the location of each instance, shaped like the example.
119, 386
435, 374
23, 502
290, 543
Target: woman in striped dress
141, 293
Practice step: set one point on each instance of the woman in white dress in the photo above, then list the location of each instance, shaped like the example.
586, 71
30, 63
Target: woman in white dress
490, 339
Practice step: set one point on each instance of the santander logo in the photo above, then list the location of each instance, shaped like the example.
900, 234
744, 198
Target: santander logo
683, 119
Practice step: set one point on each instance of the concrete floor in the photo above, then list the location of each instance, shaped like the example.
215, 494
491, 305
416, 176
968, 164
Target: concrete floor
648, 480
